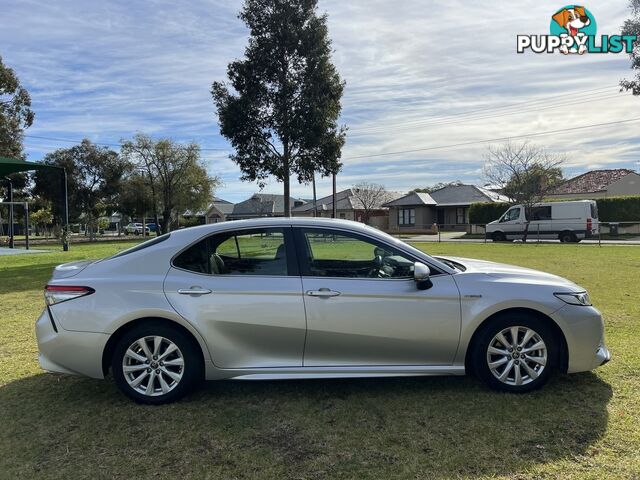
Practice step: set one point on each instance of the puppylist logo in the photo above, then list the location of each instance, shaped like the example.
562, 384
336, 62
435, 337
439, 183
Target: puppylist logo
573, 31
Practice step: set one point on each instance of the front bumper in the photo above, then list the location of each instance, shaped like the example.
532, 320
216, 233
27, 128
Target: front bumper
64, 351
583, 330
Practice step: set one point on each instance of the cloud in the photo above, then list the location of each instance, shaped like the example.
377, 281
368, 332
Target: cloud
419, 74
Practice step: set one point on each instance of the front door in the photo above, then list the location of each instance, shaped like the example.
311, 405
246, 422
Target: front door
363, 307
242, 291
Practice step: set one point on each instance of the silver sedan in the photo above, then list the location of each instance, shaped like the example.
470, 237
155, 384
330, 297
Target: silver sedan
308, 298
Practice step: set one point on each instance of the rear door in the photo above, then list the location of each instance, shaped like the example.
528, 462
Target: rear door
242, 291
363, 307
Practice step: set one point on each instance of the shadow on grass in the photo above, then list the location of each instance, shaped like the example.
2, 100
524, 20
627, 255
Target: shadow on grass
384, 428
26, 277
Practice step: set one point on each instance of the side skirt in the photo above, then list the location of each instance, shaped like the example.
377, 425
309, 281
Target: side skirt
299, 373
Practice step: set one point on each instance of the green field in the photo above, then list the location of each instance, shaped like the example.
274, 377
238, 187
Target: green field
579, 426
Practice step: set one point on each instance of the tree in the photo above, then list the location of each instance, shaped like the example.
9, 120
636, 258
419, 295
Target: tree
438, 186
15, 112
524, 172
632, 27
174, 174
370, 196
135, 199
281, 118
93, 177
42, 218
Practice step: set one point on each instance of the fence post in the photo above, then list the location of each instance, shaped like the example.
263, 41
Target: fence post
538, 233
485, 234
439, 233
599, 235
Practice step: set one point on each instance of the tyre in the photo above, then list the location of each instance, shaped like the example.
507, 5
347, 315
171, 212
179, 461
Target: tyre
155, 363
567, 237
498, 237
516, 352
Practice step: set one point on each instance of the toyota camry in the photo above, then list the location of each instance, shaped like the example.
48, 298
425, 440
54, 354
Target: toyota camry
295, 298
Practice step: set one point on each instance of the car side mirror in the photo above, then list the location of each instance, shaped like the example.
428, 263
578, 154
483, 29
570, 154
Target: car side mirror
421, 275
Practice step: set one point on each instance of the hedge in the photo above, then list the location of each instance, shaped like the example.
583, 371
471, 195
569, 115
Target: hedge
485, 212
612, 209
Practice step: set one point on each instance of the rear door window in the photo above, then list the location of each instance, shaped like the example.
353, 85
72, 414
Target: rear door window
246, 252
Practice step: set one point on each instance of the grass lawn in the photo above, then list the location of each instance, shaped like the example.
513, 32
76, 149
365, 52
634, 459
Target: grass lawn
579, 426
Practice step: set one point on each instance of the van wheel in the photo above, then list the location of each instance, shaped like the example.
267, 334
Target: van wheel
567, 237
498, 237
155, 363
515, 353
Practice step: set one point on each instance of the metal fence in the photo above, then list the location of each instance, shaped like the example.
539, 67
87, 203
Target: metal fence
537, 232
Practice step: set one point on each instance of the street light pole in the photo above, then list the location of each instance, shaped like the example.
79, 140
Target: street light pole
65, 205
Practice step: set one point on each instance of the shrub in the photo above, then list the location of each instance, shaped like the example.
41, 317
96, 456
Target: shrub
619, 209
485, 212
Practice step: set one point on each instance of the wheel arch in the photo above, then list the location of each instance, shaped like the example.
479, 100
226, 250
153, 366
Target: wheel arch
107, 353
564, 349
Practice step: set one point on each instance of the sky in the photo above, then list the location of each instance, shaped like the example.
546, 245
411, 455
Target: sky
420, 76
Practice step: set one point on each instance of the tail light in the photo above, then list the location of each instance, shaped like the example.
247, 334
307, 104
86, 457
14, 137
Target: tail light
61, 293
589, 224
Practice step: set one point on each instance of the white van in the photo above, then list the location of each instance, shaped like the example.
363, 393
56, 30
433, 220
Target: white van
567, 221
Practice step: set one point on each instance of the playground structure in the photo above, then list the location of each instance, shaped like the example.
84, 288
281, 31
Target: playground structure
13, 165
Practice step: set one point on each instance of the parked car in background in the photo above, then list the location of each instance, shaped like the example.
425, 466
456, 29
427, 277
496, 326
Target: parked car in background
291, 298
570, 221
136, 229
153, 227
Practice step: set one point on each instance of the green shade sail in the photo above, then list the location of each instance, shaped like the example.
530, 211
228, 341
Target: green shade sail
13, 165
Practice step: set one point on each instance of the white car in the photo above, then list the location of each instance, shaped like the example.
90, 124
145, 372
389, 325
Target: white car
285, 298
136, 229
569, 221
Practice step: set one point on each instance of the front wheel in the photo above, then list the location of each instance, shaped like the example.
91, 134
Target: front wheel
515, 353
155, 363
498, 237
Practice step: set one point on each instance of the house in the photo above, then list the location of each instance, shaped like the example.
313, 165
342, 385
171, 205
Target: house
349, 207
599, 184
262, 205
218, 210
448, 207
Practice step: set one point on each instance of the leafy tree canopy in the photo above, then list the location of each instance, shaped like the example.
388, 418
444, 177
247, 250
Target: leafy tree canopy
281, 112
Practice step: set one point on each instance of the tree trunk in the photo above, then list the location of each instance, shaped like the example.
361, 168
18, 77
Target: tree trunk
166, 218
526, 232
315, 200
287, 179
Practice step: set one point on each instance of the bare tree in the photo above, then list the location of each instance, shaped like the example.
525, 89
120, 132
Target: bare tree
524, 172
370, 196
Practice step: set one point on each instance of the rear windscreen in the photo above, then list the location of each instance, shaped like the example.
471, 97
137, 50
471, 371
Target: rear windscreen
141, 246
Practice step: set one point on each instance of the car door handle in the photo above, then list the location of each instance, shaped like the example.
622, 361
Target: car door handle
194, 291
323, 292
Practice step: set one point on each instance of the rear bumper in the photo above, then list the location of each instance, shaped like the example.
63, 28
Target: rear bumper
64, 351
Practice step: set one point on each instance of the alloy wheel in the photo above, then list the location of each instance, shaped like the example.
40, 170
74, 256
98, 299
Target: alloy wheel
517, 355
153, 365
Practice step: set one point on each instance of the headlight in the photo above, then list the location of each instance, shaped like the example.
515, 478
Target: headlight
580, 298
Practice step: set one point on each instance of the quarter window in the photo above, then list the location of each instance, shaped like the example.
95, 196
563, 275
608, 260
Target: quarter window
407, 216
246, 252
333, 254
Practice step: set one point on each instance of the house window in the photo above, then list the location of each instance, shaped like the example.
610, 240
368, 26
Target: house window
343, 216
460, 215
407, 216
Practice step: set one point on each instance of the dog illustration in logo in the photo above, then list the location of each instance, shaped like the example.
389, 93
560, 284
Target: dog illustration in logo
572, 20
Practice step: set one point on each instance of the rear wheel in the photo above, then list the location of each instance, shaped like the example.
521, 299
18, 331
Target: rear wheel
567, 237
515, 353
155, 363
